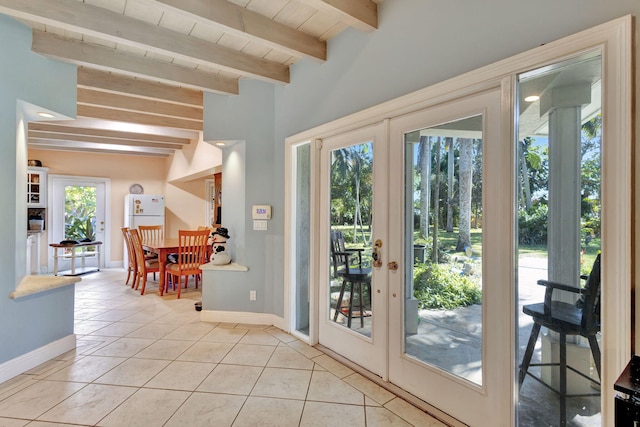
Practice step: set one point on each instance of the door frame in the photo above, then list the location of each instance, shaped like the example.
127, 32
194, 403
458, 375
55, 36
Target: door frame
615, 38
53, 180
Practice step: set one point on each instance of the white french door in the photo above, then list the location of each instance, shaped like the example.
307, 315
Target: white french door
352, 166
446, 356
371, 190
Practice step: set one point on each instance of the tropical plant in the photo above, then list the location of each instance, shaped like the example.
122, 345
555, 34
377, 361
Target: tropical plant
80, 213
437, 286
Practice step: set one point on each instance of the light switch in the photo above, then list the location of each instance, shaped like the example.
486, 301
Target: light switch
260, 224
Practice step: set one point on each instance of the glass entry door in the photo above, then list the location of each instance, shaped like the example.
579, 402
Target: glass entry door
450, 301
78, 214
353, 188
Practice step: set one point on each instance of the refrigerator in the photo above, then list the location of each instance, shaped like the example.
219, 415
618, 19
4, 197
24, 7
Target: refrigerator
142, 209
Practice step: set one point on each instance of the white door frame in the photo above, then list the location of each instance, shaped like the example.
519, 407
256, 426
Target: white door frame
615, 39
53, 203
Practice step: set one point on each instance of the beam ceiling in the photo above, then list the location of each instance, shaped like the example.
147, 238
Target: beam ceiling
149, 62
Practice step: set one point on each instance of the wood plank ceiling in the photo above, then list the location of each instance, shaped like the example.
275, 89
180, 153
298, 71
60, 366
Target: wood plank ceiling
143, 65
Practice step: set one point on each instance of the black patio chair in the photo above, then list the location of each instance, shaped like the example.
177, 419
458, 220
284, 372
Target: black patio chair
581, 318
347, 265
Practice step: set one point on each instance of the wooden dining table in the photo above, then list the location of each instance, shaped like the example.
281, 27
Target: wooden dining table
162, 247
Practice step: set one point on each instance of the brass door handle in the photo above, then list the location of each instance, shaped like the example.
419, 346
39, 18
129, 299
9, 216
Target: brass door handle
377, 262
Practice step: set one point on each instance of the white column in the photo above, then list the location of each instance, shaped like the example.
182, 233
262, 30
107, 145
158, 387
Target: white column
564, 105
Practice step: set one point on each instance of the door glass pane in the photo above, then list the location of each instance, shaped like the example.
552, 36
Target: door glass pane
80, 213
558, 184
302, 232
350, 296
80, 220
443, 252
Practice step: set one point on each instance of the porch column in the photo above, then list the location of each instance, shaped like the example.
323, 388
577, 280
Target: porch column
564, 107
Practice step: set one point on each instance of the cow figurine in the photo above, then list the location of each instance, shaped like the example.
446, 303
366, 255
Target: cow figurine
219, 254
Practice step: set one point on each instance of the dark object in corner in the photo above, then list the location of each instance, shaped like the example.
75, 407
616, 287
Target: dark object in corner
198, 306
627, 406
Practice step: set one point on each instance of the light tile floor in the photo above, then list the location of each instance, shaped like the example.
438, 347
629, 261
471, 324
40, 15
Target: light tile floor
150, 361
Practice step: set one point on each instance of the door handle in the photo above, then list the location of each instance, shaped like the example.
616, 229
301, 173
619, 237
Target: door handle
377, 262
392, 266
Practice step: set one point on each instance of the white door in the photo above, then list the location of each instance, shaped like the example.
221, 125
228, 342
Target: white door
77, 208
460, 359
352, 165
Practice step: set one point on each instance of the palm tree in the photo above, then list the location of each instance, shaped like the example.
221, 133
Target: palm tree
465, 180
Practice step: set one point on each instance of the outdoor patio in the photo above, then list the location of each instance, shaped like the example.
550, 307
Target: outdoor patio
451, 340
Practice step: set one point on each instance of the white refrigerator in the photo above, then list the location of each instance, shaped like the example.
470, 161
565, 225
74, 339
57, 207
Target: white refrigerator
142, 209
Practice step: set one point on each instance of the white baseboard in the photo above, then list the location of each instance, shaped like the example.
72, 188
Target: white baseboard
21, 364
247, 318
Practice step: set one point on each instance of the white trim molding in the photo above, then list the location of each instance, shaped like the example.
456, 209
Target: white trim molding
21, 364
243, 317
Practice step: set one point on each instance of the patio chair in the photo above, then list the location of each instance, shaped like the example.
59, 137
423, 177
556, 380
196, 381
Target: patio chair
347, 265
581, 318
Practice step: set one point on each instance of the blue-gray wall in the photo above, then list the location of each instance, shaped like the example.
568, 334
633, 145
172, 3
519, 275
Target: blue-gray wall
247, 119
31, 322
418, 43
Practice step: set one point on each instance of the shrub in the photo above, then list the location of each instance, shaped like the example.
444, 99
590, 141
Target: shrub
532, 225
437, 287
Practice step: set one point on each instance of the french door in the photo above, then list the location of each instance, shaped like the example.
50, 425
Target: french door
451, 299
353, 309
384, 188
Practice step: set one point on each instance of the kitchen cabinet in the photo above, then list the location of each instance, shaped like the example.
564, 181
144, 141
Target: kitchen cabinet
36, 187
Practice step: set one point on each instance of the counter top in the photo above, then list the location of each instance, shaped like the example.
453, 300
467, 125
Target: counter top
224, 267
35, 284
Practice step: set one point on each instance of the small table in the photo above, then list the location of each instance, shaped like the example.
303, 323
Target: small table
74, 254
162, 247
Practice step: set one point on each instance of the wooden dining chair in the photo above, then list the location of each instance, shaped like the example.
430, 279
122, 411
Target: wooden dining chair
144, 265
131, 256
151, 232
192, 249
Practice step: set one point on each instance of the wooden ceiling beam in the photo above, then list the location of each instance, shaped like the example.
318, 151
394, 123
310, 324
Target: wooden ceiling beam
52, 128
360, 14
107, 59
97, 148
51, 136
245, 23
132, 103
116, 83
105, 24
136, 117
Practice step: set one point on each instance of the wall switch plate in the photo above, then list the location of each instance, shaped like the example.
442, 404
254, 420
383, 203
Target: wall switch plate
260, 224
252, 295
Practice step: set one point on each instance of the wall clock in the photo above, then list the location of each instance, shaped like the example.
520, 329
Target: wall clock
136, 189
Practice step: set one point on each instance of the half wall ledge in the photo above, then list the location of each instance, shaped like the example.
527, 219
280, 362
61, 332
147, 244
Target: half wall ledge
35, 284
224, 267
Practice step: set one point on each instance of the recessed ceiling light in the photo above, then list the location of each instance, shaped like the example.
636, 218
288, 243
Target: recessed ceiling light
532, 98
220, 144
45, 115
